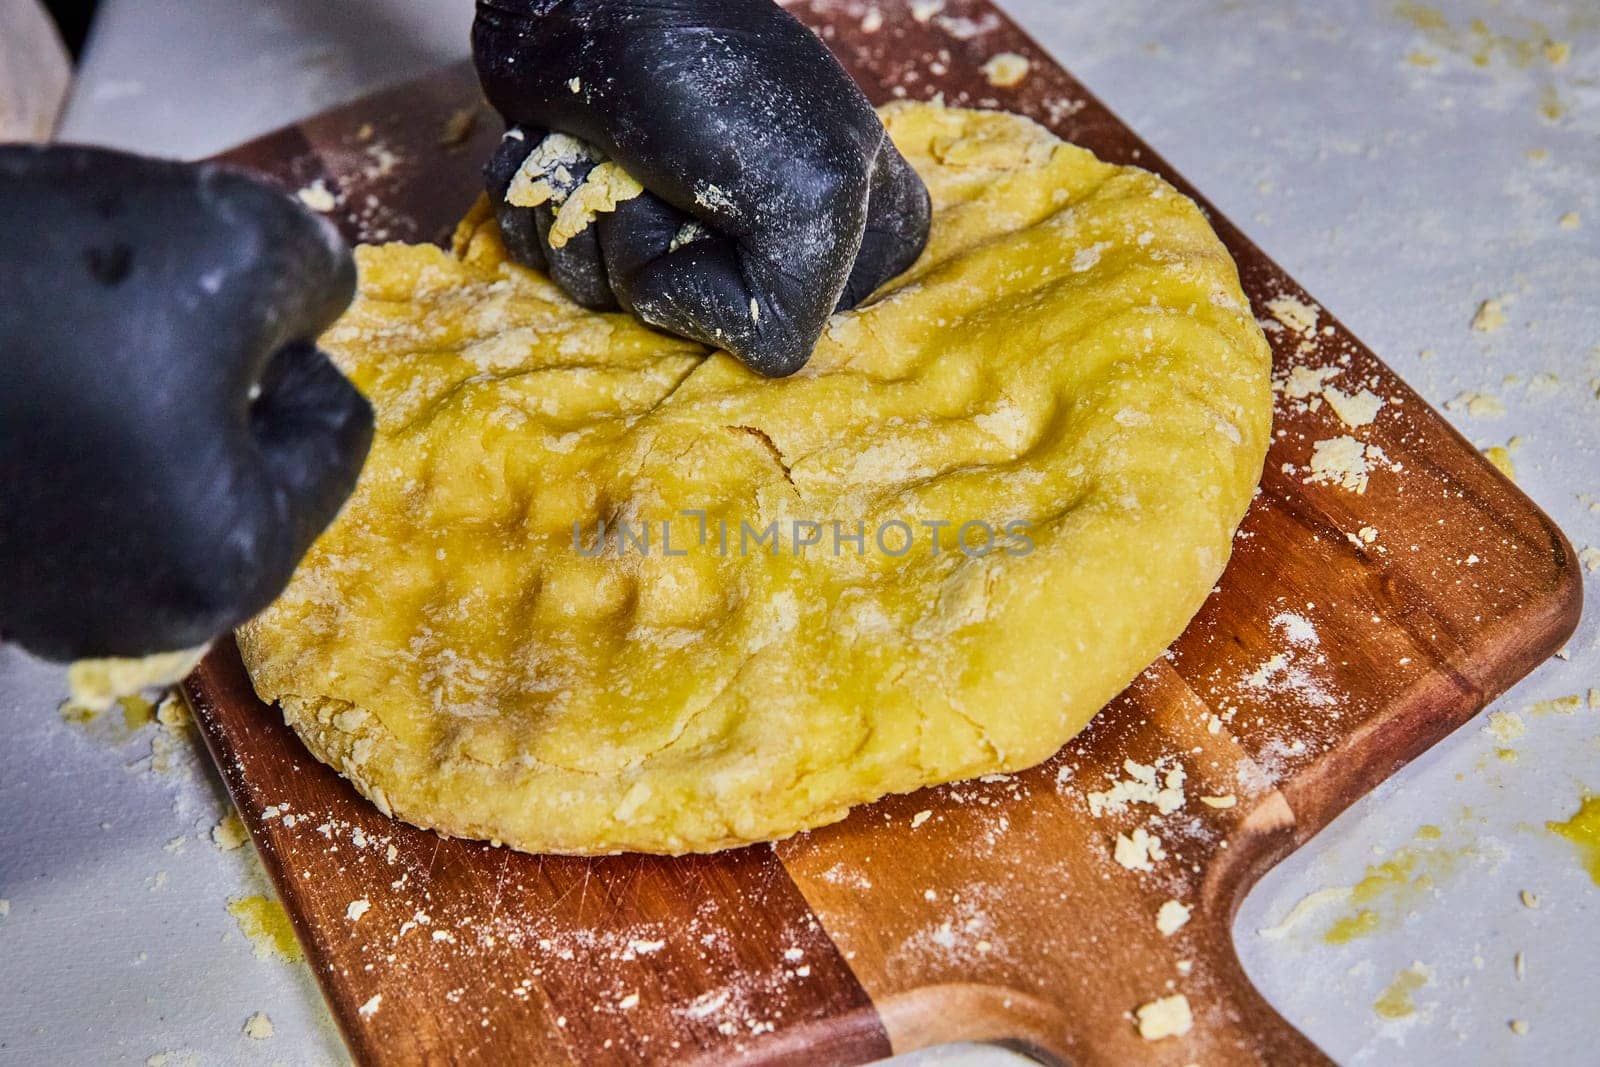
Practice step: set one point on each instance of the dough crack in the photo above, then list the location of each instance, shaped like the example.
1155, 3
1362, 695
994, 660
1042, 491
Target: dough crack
772, 448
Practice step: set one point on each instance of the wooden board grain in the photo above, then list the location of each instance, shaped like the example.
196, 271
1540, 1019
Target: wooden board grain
987, 910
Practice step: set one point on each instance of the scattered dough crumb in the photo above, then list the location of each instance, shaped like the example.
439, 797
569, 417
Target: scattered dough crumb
229, 833
258, 1027
1519, 1026
1477, 404
1166, 1017
1171, 917
1136, 851
1226, 801
1306, 381
1368, 534
1141, 787
1491, 316
1529, 900
1590, 557
1294, 313
872, 21
1570, 221
1505, 726
1557, 52
1556, 706
370, 1008
606, 186
1354, 411
1500, 458
1343, 461
1006, 70
923, 10
317, 196
357, 909
919, 818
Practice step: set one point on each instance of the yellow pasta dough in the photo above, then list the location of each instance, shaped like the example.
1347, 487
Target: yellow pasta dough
1044, 436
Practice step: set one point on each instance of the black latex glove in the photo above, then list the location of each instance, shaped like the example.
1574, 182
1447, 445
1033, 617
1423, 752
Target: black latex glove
734, 116
171, 440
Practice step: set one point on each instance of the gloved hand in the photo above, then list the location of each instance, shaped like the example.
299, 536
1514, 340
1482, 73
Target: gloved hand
171, 440
777, 196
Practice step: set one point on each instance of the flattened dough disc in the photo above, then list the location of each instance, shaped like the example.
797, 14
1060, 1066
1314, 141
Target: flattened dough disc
1072, 353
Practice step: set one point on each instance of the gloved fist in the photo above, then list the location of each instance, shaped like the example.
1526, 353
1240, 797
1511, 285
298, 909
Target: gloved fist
773, 195
171, 440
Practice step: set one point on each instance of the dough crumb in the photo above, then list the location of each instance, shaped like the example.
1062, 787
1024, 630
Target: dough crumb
1226, 801
1166, 1017
1491, 316
1136, 851
1500, 458
923, 10
1368, 534
1505, 726
1006, 70
1343, 461
258, 1027
1589, 556
872, 21
357, 909
1171, 917
1354, 411
229, 833
317, 196
1519, 1026
370, 1008
919, 818
607, 186
1476, 404
1294, 313
1529, 900
1570, 221
1142, 786
1556, 705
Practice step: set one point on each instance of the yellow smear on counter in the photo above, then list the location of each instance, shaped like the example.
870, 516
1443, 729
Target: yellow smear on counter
1351, 927
1583, 830
1390, 886
1396, 1002
267, 926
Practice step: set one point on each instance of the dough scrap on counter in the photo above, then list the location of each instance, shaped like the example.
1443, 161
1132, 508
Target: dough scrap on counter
465, 646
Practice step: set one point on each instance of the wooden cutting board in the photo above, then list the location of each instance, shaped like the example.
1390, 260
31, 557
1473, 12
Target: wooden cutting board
989, 910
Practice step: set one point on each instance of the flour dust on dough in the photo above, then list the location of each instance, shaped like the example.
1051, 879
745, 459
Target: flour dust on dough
1072, 352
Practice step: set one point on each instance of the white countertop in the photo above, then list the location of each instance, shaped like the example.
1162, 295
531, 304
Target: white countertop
1399, 180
